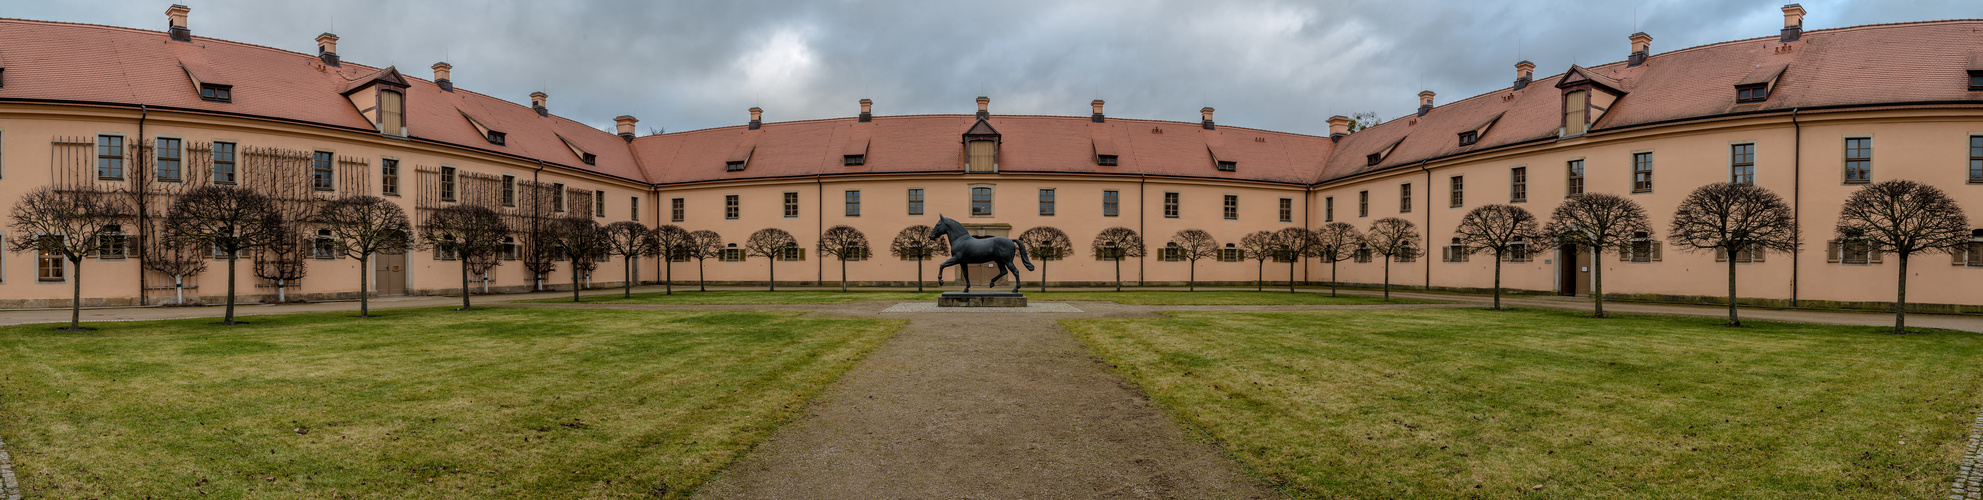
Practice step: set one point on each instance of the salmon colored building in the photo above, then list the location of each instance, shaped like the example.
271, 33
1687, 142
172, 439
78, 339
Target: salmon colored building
1811, 115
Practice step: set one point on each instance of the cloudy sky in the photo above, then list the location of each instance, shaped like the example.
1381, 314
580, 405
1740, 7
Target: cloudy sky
1282, 65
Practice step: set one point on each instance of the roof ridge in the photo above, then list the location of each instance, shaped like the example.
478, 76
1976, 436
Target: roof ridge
966, 115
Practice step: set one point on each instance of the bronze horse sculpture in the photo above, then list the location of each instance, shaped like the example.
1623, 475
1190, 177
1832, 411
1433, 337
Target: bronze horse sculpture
967, 249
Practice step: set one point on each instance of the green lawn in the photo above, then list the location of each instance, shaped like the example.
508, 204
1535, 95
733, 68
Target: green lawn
1211, 297
1138, 297
432, 403
1472, 403
749, 297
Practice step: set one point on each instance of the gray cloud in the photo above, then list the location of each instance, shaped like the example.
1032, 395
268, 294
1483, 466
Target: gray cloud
1282, 65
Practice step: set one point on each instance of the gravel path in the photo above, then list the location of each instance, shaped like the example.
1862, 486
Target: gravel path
1968, 479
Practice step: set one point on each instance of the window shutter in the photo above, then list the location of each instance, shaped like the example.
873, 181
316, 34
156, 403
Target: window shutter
1831, 251
1756, 254
1975, 253
1625, 253
1720, 254
1446, 254
1959, 256
1655, 251
1875, 252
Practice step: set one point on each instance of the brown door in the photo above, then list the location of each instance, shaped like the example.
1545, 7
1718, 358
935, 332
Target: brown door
390, 274
1568, 262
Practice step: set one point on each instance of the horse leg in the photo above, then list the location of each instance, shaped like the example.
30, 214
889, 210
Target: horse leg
1001, 272
1016, 282
965, 271
939, 270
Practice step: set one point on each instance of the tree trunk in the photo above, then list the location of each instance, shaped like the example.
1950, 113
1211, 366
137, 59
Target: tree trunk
1118, 273
464, 284
231, 259
1191, 283
773, 266
919, 275
364, 291
1043, 275
1900, 299
574, 280
280, 292
179, 288
1597, 280
1260, 276
1497, 281
843, 275
701, 279
1387, 278
1732, 320
1291, 264
76, 295
629, 273
1332, 277
668, 265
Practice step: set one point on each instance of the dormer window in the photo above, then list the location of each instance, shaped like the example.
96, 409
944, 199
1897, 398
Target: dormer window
498, 138
216, 93
494, 137
392, 113
1467, 138
734, 166
854, 160
1105, 160
1752, 93
589, 159
1373, 159
1976, 80
1228, 166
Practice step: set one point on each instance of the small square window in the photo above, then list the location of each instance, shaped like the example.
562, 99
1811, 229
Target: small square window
589, 159
216, 93
1976, 81
734, 166
1467, 138
1752, 93
1228, 166
498, 138
1373, 158
1105, 160
854, 160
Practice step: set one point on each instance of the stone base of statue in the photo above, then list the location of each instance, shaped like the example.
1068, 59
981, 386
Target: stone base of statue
981, 299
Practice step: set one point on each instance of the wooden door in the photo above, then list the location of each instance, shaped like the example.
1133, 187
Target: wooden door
390, 274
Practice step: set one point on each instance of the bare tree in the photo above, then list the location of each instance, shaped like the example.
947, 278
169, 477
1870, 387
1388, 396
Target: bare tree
1295, 244
174, 257
671, 242
362, 226
469, 233
1903, 218
914, 244
1192, 245
1363, 120
72, 224
1259, 246
283, 259
1597, 221
580, 241
704, 245
1118, 243
1049, 244
1499, 229
630, 240
1338, 242
1395, 239
844, 243
538, 251
227, 219
772, 244
1734, 221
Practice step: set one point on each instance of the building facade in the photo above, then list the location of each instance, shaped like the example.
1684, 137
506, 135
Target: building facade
1811, 115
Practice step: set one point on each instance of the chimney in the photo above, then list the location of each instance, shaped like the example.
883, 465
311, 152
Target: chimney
1206, 115
1339, 126
867, 110
1641, 47
984, 107
537, 103
1097, 104
1793, 23
624, 124
441, 71
1424, 102
1524, 73
175, 23
327, 48
757, 117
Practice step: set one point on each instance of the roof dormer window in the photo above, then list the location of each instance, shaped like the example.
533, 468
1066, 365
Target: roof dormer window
854, 160
494, 137
734, 166
498, 138
1228, 166
1469, 137
392, 113
589, 159
1373, 159
1976, 80
1105, 160
1757, 92
212, 92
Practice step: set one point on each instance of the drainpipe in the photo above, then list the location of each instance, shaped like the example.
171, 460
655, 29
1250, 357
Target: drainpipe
819, 227
536, 221
143, 113
1142, 199
1796, 200
1428, 224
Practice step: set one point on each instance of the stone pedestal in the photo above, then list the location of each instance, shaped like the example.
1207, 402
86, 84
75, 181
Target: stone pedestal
981, 299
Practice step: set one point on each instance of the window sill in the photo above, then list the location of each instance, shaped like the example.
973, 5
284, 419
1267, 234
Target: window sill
117, 179
1641, 191
1519, 200
1857, 182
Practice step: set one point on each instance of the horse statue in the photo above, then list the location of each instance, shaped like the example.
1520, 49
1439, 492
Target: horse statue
968, 249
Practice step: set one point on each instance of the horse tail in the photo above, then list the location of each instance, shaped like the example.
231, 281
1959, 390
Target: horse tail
1021, 245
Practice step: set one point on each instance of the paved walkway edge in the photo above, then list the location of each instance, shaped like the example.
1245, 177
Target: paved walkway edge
9, 489
1969, 480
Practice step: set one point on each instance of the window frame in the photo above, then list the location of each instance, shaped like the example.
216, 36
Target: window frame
558, 197
178, 158
449, 188
42, 259
509, 190
1405, 198
1468, 138
598, 203
916, 202
1742, 162
1287, 209
1456, 194
1574, 180
1111, 203
1642, 172
853, 160
110, 161
988, 204
1107, 160
853, 202
678, 208
1173, 204
233, 152
388, 176
1049, 198
1228, 166
1865, 167
1976, 158
1230, 207
789, 204
323, 170
385, 110
214, 92
1754, 92
1518, 184
1363, 204
1328, 209
732, 207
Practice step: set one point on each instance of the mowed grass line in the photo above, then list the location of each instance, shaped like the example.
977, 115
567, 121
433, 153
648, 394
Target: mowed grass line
1451, 403
430, 403
1213, 297
747, 297
1133, 297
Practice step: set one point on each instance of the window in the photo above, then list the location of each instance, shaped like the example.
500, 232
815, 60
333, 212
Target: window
223, 163
1109, 253
47, 262
321, 168
1109, 203
323, 246
1170, 205
498, 138
598, 203
1576, 178
216, 93
1469, 137
1408, 255
1232, 207
853, 203
1046, 202
1746, 255
1976, 80
1575, 104
677, 209
1329, 209
733, 254
1518, 250
1231, 253
792, 253
1459, 196
854, 160
1362, 203
1455, 252
733, 166
110, 243
1170, 252
167, 168
509, 190
1742, 163
1642, 170
1105, 160
1976, 158
1228, 166
392, 113
557, 197
1971, 253
981, 202
984, 156
730, 207
589, 158
1405, 198
1752, 93
1858, 160
916, 201
388, 175
1287, 209
1362, 253
633, 207
110, 157
510, 249
1047, 253
791, 205
1643, 249
1518, 184
1855, 251
447, 184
